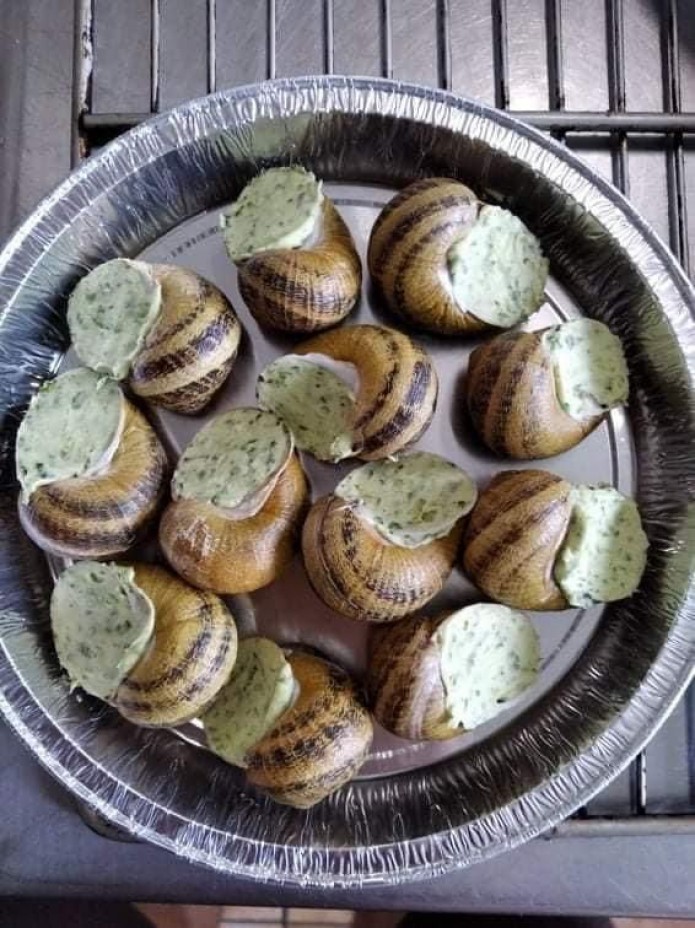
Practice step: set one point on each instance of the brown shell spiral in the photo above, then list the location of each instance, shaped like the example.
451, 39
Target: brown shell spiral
191, 348
512, 400
215, 552
319, 744
102, 515
398, 385
191, 657
305, 289
408, 251
404, 680
513, 536
363, 576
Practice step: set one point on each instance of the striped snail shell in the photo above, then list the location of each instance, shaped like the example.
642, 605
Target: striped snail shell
434, 677
398, 386
215, 551
319, 744
102, 514
361, 575
513, 536
404, 680
512, 399
191, 656
167, 332
305, 289
408, 251
189, 352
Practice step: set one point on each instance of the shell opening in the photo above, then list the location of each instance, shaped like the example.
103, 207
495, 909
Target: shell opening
280, 208
490, 655
589, 367
110, 313
261, 688
234, 462
604, 553
315, 396
410, 500
497, 270
72, 429
102, 625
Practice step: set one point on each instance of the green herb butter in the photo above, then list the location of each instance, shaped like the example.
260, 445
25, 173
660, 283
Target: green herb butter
315, 397
102, 625
490, 654
278, 209
260, 689
604, 552
110, 313
410, 500
589, 367
497, 270
234, 460
71, 429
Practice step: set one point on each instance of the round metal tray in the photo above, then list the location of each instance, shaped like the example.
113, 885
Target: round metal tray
609, 675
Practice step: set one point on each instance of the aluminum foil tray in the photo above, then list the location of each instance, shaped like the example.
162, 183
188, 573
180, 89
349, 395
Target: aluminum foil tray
610, 675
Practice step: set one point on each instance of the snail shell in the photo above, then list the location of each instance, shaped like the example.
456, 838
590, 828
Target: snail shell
305, 289
362, 576
512, 399
435, 677
190, 350
191, 657
319, 744
102, 515
408, 251
397, 392
513, 536
214, 551
405, 682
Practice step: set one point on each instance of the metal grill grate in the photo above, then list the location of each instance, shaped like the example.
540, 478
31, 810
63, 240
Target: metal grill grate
631, 63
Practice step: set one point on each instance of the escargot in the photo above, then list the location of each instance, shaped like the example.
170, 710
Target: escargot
434, 677
92, 470
172, 335
450, 264
141, 639
259, 691
384, 542
365, 391
298, 267
536, 394
319, 743
238, 497
534, 541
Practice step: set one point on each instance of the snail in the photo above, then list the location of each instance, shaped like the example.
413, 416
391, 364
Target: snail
238, 497
365, 391
536, 394
259, 691
170, 334
319, 743
434, 677
450, 264
92, 470
534, 541
384, 542
143, 640
298, 267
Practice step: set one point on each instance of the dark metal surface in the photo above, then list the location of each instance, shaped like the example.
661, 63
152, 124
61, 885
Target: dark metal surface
459, 43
